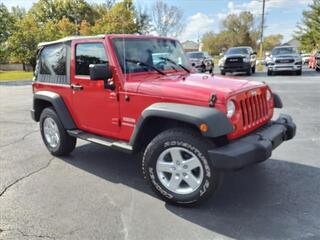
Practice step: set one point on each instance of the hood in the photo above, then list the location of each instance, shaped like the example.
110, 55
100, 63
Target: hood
195, 86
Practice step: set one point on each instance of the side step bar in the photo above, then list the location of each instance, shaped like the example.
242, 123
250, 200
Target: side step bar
119, 145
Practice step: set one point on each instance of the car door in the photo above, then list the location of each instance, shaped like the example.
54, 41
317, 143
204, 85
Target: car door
95, 107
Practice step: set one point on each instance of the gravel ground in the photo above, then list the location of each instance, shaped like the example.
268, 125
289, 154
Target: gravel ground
98, 193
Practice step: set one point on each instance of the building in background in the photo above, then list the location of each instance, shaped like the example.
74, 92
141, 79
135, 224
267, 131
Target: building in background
190, 46
293, 42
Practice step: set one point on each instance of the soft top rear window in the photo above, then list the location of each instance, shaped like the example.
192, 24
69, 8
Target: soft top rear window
53, 60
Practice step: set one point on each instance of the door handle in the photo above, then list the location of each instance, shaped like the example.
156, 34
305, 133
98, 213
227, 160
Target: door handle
76, 87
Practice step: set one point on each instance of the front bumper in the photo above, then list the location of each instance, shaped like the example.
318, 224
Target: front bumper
284, 67
255, 147
239, 67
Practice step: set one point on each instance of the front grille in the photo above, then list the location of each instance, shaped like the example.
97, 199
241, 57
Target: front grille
234, 60
284, 60
254, 110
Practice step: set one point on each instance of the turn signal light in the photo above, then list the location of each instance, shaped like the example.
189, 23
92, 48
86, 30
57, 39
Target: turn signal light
203, 127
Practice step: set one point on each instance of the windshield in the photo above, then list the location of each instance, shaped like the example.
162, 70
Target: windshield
284, 50
195, 55
150, 52
237, 51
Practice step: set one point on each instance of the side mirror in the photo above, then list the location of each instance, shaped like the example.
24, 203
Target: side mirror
102, 72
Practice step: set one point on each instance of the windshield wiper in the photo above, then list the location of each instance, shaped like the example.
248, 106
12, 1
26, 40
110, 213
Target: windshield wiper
146, 65
177, 64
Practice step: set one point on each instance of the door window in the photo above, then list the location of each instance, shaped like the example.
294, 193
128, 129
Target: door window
89, 53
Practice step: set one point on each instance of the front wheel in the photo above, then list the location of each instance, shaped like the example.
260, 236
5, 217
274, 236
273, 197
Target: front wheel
177, 166
270, 73
55, 137
299, 72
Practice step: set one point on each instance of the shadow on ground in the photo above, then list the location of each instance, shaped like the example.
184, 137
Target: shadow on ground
274, 200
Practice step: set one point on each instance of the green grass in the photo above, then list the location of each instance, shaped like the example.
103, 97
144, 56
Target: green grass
15, 75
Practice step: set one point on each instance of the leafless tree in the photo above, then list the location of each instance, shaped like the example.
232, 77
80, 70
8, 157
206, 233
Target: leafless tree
167, 20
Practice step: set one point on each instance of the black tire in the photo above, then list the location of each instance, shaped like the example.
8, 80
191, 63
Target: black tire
193, 142
270, 73
222, 72
299, 72
253, 69
318, 69
66, 144
248, 72
211, 71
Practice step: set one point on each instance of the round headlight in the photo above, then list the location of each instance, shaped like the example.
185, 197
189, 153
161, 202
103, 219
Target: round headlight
268, 95
231, 108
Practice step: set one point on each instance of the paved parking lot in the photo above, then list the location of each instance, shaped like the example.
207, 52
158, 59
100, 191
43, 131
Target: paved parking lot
97, 193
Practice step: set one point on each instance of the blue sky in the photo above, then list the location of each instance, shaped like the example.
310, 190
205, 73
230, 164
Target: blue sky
205, 15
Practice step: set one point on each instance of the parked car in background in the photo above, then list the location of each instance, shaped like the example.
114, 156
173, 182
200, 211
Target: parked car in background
238, 59
284, 58
305, 58
201, 61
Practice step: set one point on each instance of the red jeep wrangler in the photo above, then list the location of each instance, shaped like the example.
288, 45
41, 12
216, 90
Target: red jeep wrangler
136, 93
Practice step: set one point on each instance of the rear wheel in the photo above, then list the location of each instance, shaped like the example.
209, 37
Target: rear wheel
177, 166
270, 73
55, 137
222, 72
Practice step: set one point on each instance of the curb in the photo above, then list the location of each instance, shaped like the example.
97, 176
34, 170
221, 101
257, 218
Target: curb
16, 83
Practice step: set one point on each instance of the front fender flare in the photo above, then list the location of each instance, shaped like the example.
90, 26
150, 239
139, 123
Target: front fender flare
217, 122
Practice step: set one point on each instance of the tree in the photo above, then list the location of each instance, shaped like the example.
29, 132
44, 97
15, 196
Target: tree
54, 10
167, 20
216, 43
271, 41
236, 30
241, 28
7, 22
121, 18
22, 44
308, 32
49, 20
143, 20
18, 13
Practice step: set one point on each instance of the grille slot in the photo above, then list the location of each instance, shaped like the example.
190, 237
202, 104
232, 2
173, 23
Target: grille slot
254, 109
234, 60
290, 60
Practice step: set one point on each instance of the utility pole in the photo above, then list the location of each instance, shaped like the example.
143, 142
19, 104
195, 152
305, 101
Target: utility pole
262, 27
